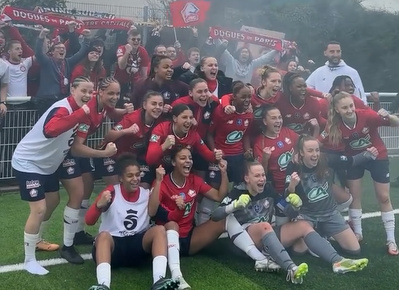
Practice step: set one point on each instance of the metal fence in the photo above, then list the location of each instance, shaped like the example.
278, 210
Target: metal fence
19, 122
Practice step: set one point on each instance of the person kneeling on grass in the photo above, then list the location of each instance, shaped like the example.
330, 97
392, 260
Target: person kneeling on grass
125, 237
248, 208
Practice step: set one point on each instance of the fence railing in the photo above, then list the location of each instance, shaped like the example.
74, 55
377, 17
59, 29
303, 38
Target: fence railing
18, 123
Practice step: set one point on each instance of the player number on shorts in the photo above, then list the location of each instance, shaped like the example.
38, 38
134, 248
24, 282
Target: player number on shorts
130, 221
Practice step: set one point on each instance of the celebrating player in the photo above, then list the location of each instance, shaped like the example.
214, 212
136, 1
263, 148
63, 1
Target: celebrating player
177, 193
36, 160
274, 149
358, 130
125, 237
132, 135
173, 134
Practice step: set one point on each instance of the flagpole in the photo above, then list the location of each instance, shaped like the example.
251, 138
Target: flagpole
174, 31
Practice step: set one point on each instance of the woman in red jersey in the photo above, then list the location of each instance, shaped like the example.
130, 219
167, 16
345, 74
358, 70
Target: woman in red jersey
358, 130
228, 133
202, 104
300, 112
131, 135
91, 66
177, 133
274, 149
178, 192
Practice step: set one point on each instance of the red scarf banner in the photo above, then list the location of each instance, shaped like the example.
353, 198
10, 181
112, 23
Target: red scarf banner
74, 12
116, 23
27, 16
228, 34
188, 13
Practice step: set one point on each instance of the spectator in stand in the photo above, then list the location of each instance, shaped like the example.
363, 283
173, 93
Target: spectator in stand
194, 57
322, 78
160, 80
91, 66
241, 65
55, 71
160, 50
4, 81
133, 61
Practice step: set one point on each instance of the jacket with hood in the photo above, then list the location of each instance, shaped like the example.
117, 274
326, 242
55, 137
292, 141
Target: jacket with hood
322, 78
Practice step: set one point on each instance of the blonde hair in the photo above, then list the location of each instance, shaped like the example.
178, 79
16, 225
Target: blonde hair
265, 71
333, 118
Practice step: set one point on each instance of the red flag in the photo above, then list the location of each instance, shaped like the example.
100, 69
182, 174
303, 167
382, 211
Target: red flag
189, 13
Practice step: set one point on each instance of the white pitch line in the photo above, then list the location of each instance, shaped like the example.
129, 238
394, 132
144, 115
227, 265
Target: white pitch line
60, 261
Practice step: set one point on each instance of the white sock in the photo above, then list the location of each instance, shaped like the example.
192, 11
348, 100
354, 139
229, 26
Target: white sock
30, 264
244, 242
159, 267
104, 274
388, 218
173, 253
204, 210
355, 216
82, 212
71, 217
43, 227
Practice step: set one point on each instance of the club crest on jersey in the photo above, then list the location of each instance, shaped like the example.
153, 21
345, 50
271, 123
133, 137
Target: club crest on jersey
30, 184
154, 138
190, 12
287, 140
84, 128
192, 193
246, 123
280, 144
166, 95
257, 208
207, 115
306, 116
118, 127
23, 68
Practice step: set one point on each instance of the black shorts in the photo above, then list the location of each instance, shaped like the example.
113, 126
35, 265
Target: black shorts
104, 167
128, 251
33, 186
235, 170
379, 171
185, 244
147, 172
73, 167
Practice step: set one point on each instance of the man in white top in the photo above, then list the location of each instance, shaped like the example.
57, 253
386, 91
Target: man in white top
4, 81
322, 78
19, 68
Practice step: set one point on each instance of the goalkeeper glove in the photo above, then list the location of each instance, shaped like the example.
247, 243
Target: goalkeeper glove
242, 201
294, 200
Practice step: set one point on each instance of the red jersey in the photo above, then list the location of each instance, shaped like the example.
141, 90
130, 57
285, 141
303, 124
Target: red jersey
194, 186
133, 143
364, 135
282, 150
229, 130
297, 118
203, 115
135, 61
191, 141
94, 120
324, 104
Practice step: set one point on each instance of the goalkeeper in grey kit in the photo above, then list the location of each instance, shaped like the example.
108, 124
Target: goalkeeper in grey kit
248, 212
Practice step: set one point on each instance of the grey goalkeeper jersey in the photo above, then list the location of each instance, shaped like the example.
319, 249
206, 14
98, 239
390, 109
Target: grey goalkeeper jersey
260, 208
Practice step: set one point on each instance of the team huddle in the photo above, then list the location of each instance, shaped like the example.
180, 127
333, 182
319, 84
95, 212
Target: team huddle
272, 167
